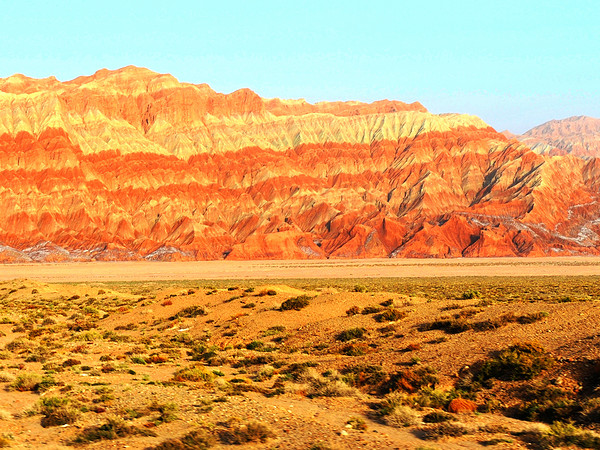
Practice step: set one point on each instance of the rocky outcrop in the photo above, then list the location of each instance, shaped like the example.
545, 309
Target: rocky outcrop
131, 164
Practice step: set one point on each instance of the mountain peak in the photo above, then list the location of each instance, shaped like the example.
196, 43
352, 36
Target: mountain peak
576, 135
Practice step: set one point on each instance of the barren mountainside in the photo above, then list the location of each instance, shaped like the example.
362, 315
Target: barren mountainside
131, 164
577, 136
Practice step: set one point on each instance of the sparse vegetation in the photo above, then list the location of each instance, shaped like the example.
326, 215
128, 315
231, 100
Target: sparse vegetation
243, 434
518, 362
190, 311
296, 303
352, 333
58, 411
441, 430
114, 428
193, 373
194, 440
92, 359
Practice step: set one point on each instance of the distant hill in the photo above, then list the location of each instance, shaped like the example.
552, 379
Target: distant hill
577, 136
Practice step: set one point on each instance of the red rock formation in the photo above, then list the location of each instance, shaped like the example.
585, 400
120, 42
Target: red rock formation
578, 136
131, 164
462, 406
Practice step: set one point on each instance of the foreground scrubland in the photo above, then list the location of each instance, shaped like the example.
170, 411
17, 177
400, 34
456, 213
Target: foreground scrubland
324, 363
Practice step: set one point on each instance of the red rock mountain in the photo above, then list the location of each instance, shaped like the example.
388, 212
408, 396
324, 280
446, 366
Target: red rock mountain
577, 136
131, 164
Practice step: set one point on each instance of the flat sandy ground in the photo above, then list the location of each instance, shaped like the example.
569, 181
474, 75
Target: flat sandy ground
362, 268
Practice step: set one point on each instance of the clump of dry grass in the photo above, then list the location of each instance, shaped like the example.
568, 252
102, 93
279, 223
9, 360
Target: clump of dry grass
441, 430
402, 416
58, 411
246, 433
197, 440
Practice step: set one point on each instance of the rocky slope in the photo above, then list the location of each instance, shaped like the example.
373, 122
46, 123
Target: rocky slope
131, 164
577, 136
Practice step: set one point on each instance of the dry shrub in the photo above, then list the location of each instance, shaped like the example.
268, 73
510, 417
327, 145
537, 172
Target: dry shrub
331, 385
20, 344
441, 430
189, 312
438, 417
411, 380
243, 434
352, 333
6, 440
6, 377
390, 315
114, 428
402, 416
355, 349
26, 382
353, 310
296, 303
58, 411
194, 440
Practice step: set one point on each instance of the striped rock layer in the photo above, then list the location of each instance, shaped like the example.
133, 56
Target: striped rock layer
577, 136
131, 164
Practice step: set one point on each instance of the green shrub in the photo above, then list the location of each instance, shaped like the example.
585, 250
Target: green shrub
390, 315
370, 310
190, 311
58, 411
518, 362
561, 435
138, 359
355, 349
547, 403
166, 411
356, 423
471, 294
259, 346
438, 417
364, 375
352, 333
296, 303
193, 373
114, 428
203, 352
271, 331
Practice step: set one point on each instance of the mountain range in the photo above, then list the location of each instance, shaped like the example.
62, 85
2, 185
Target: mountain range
131, 164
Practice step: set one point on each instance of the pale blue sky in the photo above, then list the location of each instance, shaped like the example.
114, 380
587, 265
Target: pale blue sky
514, 63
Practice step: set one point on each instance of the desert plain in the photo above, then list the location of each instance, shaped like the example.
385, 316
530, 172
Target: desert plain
326, 354
315, 268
